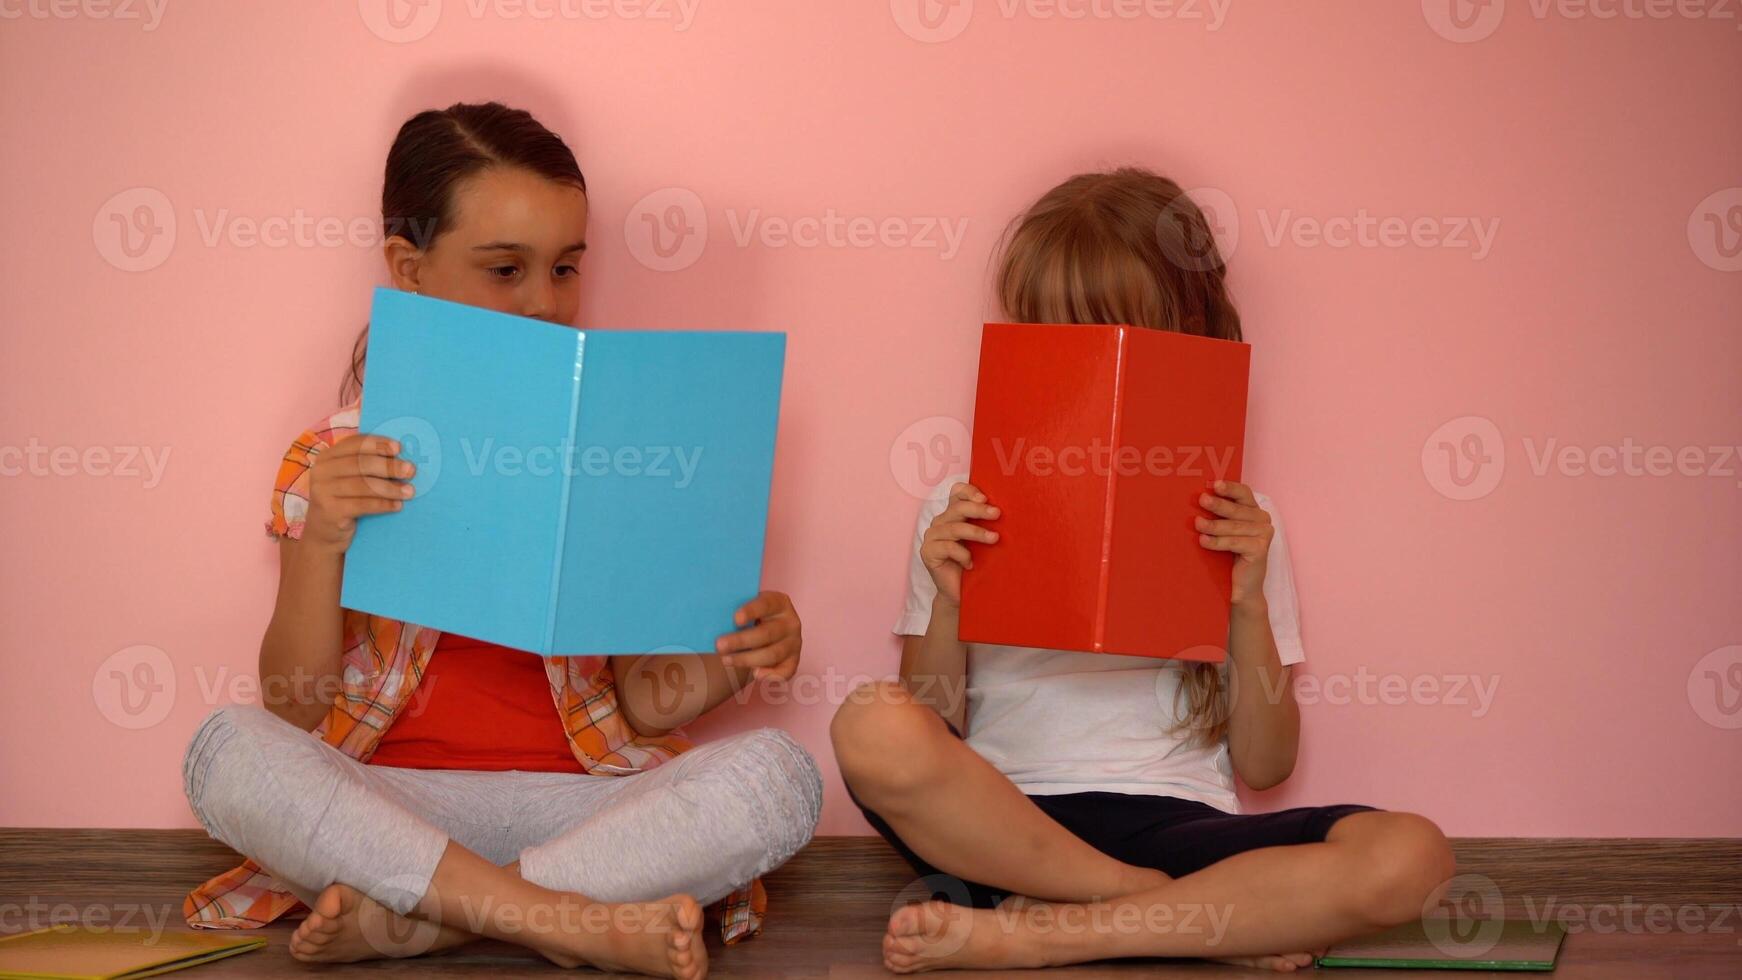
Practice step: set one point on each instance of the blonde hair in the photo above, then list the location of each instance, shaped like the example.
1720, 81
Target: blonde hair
1125, 246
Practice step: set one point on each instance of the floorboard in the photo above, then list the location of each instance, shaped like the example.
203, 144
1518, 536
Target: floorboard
1638, 908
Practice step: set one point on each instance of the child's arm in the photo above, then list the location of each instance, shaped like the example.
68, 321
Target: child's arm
934, 667
660, 692
1264, 725
301, 652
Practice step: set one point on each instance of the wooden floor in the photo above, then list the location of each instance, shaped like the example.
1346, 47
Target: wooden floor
828, 907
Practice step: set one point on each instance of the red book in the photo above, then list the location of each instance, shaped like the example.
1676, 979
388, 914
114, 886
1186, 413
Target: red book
1096, 442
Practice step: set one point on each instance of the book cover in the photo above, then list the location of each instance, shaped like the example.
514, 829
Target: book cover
1095, 442
77, 953
578, 491
1453, 943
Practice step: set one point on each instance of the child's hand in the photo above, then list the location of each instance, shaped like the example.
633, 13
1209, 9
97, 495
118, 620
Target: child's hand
1244, 529
772, 644
942, 550
358, 475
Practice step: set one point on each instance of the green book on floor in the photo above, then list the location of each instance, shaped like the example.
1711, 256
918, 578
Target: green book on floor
68, 952
1454, 944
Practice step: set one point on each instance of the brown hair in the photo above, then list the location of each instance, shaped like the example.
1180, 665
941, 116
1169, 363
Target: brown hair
1125, 246
437, 149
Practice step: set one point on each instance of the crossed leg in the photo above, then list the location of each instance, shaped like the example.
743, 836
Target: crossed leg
958, 813
404, 862
469, 898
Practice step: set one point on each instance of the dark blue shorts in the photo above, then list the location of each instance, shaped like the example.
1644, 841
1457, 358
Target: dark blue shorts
1169, 834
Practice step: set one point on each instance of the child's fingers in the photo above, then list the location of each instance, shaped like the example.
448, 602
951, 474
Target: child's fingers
1218, 505
1208, 526
383, 467
963, 531
783, 668
1248, 545
967, 491
937, 552
749, 638
968, 509
1236, 491
378, 445
764, 606
367, 487
379, 469
362, 506
761, 658
363, 444
764, 655
1223, 507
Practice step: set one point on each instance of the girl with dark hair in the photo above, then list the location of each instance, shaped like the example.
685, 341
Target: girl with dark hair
454, 788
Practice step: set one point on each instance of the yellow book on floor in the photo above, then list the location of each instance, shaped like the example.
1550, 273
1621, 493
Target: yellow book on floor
68, 952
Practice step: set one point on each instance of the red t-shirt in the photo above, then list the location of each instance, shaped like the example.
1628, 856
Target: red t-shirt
480, 706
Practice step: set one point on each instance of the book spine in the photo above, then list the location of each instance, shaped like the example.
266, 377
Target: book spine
562, 510
1120, 352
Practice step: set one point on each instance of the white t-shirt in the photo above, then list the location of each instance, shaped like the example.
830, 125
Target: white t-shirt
1060, 722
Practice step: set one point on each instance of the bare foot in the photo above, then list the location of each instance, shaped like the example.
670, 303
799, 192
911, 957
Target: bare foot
662, 939
346, 926
941, 936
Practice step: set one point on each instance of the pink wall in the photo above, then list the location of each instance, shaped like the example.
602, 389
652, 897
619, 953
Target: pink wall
1598, 612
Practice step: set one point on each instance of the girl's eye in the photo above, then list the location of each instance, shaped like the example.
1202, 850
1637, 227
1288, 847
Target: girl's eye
504, 271
564, 271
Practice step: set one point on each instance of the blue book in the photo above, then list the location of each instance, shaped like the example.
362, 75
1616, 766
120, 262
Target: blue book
578, 491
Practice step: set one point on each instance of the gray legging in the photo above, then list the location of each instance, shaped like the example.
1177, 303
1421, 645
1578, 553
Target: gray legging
703, 823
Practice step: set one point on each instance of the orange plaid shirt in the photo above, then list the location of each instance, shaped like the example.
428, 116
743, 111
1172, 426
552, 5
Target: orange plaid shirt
383, 661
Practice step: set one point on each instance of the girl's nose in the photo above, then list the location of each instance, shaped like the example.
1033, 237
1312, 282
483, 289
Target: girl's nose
539, 301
